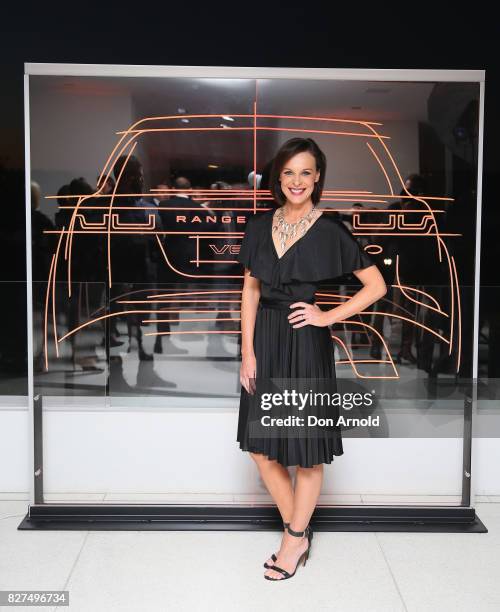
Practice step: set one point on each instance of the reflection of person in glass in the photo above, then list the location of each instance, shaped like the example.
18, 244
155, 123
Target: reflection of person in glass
286, 252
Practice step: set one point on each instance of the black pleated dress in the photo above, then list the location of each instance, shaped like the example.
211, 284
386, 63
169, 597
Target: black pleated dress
326, 251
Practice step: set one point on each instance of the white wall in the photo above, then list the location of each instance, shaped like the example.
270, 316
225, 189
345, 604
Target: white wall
191, 454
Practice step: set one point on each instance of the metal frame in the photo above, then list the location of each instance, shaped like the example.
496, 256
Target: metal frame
246, 72
358, 518
477, 280
29, 280
218, 518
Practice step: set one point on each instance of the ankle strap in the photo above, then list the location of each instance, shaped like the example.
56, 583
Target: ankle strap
298, 534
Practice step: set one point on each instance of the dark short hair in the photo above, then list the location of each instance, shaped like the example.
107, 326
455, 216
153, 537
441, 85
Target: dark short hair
79, 186
133, 164
181, 182
288, 150
417, 185
65, 190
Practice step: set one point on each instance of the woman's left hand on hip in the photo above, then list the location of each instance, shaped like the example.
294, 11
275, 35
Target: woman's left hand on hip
306, 314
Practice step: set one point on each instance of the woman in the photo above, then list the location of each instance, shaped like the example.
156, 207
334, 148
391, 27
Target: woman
286, 252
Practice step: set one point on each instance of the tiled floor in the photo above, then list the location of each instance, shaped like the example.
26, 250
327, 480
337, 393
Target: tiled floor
218, 571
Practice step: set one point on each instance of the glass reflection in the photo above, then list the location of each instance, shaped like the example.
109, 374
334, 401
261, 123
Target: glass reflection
144, 188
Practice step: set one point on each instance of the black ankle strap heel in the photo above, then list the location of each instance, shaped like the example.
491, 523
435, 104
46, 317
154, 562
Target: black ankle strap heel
298, 534
302, 559
308, 533
273, 556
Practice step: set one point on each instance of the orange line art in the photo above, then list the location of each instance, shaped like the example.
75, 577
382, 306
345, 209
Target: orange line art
391, 314
409, 319
111, 224
54, 274
188, 320
184, 293
214, 261
262, 128
354, 195
459, 324
123, 312
452, 292
110, 206
428, 235
81, 199
207, 310
373, 249
234, 199
202, 331
243, 209
403, 223
181, 208
255, 151
333, 119
178, 301
117, 297
193, 275
197, 238
70, 237
452, 302
249, 116
395, 166
124, 146
388, 225
391, 302
428, 295
381, 166
46, 347
174, 191
116, 224
84, 224
228, 234
353, 362
402, 288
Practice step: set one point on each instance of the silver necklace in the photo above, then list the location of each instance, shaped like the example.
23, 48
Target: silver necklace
290, 230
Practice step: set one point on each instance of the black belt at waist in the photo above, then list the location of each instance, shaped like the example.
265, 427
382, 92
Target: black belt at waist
280, 304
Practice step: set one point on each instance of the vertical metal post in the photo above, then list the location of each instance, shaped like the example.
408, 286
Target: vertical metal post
477, 283
467, 448
38, 448
29, 278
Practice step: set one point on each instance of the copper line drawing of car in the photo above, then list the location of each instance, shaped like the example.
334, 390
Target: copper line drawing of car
345, 323
134, 132
426, 227
353, 362
51, 289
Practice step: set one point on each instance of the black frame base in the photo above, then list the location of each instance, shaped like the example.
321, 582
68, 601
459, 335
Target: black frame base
129, 517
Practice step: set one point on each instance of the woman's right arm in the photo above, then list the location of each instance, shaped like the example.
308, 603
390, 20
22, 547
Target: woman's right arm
249, 302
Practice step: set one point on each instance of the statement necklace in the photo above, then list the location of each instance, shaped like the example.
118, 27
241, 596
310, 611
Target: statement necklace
290, 230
